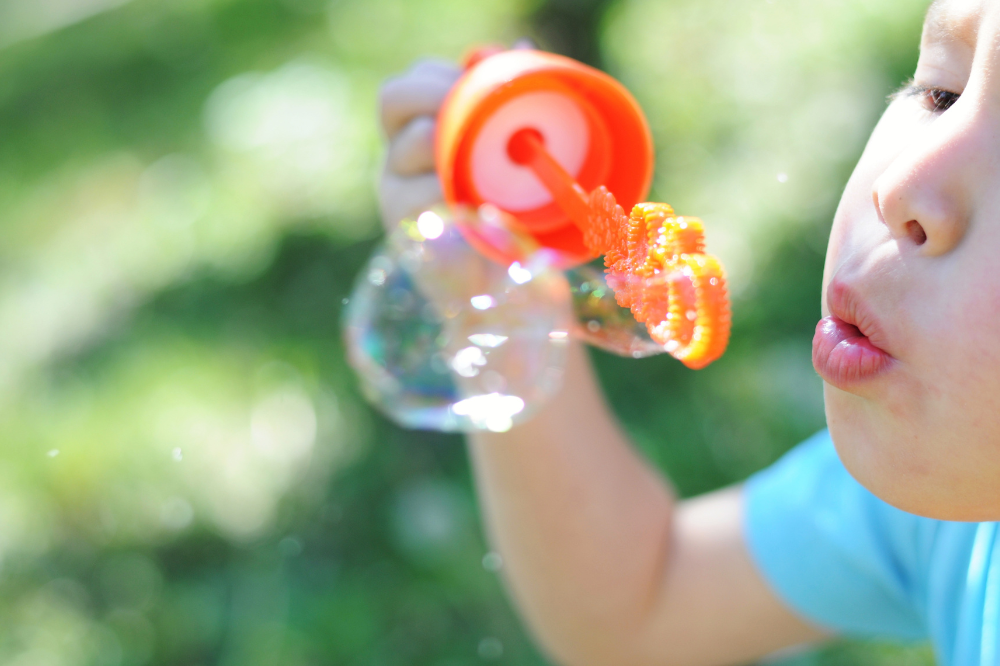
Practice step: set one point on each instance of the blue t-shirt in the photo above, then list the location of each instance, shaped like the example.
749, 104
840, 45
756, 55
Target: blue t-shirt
850, 563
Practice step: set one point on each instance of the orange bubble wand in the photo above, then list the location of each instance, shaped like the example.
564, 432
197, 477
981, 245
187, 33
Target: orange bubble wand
526, 112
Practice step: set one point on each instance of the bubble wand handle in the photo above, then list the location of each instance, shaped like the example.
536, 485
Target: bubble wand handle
526, 147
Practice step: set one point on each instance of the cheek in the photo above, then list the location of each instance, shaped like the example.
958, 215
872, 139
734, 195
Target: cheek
856, 214
970, 333
957, 299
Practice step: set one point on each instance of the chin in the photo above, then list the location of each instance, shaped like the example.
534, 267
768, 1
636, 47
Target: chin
909, 466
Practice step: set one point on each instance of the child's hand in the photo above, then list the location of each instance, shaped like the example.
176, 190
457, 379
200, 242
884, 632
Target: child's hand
408, 109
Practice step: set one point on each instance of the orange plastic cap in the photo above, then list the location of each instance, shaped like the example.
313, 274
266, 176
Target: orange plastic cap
589, 123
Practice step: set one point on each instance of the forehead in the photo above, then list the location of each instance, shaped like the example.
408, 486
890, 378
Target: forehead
959, 20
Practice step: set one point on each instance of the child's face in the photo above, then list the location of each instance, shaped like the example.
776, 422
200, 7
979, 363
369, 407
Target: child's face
909, 346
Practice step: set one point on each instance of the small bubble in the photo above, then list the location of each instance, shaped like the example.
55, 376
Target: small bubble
593, 326
290, 546
492, 561
177, 454
176, 513
490, 648
345, 301
782, 177
332, 513
691, 315
53, 453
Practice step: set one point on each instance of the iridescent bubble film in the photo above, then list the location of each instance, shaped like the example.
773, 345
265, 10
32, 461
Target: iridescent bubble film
601, 322
444, 339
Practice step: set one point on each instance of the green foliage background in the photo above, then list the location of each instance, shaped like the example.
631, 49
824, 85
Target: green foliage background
188, 474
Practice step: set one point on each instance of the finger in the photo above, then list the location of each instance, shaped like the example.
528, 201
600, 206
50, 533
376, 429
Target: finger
416, 94
435, 67
412, 149
403, 99
401, 197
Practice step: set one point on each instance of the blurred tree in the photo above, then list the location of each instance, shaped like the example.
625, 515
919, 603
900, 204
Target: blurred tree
571, 27
188, 473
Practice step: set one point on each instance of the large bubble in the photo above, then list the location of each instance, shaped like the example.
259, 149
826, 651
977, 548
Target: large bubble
443, 338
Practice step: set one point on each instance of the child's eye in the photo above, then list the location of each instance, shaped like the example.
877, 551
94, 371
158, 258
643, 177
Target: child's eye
940, 100
937, 100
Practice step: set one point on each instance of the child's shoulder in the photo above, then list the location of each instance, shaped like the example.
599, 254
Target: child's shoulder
854, 564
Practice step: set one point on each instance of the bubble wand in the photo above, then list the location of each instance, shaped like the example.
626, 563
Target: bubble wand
513, 130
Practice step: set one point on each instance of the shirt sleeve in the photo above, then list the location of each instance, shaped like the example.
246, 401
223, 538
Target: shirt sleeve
840, 557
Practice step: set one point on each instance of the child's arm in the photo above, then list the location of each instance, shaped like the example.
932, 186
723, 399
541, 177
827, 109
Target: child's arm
606, 567
604, 564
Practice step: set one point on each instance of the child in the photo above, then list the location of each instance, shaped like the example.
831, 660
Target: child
608, 568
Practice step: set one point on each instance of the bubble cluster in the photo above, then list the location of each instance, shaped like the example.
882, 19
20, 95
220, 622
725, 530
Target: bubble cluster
444, 339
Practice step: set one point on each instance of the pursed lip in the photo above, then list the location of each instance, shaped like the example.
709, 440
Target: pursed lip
848, 347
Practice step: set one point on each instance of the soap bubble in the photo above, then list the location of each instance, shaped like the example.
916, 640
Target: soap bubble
490, 648
492, 561
444, 339
601, 322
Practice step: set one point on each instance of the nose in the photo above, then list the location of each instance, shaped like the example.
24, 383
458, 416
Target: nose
927, 194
